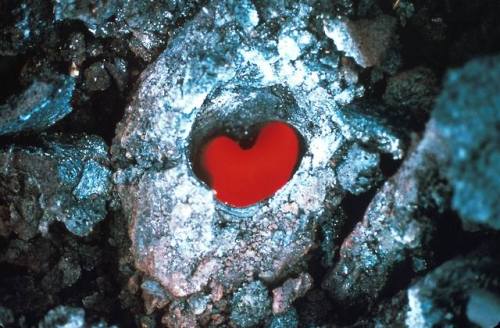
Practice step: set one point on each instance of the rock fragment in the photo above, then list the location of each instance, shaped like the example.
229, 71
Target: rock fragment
63, 179
413, 91
396, 230
462, 292
69, 317
226, 71
154, 296
366, 40
250, 305
360, 171
471, 283
144, 25
289, 319
467, 117
96, 77
64, 316
292, 289
41, 105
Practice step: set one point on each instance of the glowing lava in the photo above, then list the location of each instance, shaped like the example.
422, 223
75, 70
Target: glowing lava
242, 177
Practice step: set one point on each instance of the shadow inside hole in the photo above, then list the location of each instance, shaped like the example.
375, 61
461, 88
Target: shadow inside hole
10, 69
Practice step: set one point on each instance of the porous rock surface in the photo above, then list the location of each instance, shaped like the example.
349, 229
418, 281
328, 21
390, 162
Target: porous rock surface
227, 66
65, 178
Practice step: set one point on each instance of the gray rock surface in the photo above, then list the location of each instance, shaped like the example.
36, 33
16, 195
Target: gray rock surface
396, 231
467, 116
63, 179
41, 105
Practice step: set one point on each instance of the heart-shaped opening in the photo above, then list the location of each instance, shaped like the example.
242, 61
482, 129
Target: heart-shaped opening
246, 170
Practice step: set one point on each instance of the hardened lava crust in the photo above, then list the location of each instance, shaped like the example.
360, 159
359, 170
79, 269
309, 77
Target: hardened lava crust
182, 237
390, 217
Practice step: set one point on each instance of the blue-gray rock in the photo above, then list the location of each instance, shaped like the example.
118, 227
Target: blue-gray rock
289, 319
462, 292
69, 317
64, 317
396, 231
41, 105
441, 297
467, 116
250, 305
360, 171
63, 179
144, 25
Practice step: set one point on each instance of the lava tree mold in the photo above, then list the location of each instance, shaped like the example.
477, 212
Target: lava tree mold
231, 68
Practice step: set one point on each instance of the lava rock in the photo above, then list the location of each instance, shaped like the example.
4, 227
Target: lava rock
68, 317
289, 319
360, 171
467, 116
414, 91
41, 105
64, 316
145, 25
396, 231
367, 41
96, 77
227, 71
64, 179
23, 26
462, 283
250, 305
154, 296
291, 289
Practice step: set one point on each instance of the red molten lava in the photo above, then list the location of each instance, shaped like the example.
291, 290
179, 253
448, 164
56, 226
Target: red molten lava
242, 177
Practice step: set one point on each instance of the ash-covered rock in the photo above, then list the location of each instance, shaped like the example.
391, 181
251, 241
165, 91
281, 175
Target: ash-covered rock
41, 105
413, 91
227, 70
68, 317
292, 289
360, 171
145, 25
461, 286
397, 229
370, 42
63, 179
467, 117
250, 305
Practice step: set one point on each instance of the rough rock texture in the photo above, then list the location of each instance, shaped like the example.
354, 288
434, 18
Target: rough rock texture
462, 292
396, 231
414, 91
145, 25
288, 319
63, 179
68, 317
360, 171
367, 41
467, 117
291, 289
250, 305
356, 78
41, 105
228, 75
